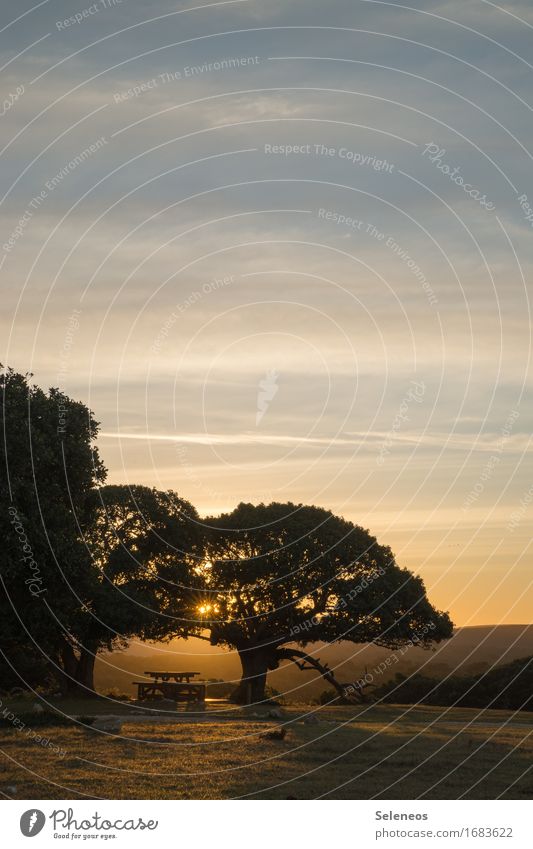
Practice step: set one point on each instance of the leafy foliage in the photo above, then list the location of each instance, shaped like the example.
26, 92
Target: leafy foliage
146, 545
84, 566
50, 467
282, 576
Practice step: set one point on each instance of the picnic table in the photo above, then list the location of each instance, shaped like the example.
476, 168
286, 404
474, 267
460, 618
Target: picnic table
176, 686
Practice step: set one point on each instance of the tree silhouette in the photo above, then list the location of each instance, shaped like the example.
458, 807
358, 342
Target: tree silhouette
86, 566
145, 545
82, 568
50, 467
282, 576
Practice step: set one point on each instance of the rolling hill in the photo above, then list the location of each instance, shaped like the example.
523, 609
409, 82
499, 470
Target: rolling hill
470, 651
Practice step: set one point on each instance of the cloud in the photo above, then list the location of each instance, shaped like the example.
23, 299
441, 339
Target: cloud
283, 147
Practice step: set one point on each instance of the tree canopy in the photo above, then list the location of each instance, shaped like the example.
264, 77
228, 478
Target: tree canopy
50, 468
146, 545
282, 576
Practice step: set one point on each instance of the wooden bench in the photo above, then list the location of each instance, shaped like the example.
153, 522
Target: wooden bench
174, 676
175, 686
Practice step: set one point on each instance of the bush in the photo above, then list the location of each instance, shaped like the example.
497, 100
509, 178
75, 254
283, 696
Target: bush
115, 694
328, 697
217, 689
273, 696
508, 687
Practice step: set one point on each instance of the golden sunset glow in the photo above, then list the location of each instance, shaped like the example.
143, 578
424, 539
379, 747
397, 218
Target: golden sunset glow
295, 298
266, 421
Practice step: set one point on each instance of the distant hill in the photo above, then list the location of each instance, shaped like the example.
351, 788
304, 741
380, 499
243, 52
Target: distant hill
471, 651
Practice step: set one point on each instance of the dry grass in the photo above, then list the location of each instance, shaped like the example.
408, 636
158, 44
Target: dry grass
388, 752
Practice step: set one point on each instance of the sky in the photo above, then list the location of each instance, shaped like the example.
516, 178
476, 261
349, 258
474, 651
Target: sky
283, 251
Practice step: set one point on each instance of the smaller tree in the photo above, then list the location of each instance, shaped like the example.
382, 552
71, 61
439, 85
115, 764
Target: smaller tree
145, 545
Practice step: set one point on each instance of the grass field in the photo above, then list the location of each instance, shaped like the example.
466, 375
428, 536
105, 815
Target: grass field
392, 752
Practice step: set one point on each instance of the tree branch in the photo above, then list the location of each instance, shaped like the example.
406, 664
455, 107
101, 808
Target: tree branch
300, 658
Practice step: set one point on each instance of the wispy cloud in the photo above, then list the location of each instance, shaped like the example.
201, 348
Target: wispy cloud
486, 443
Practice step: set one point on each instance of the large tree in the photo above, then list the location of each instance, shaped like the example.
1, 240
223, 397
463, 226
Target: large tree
50, 467
281, 576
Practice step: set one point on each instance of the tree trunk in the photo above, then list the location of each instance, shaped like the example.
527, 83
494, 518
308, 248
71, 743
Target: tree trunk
78, 671
85, 670
70, 664
255, 664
